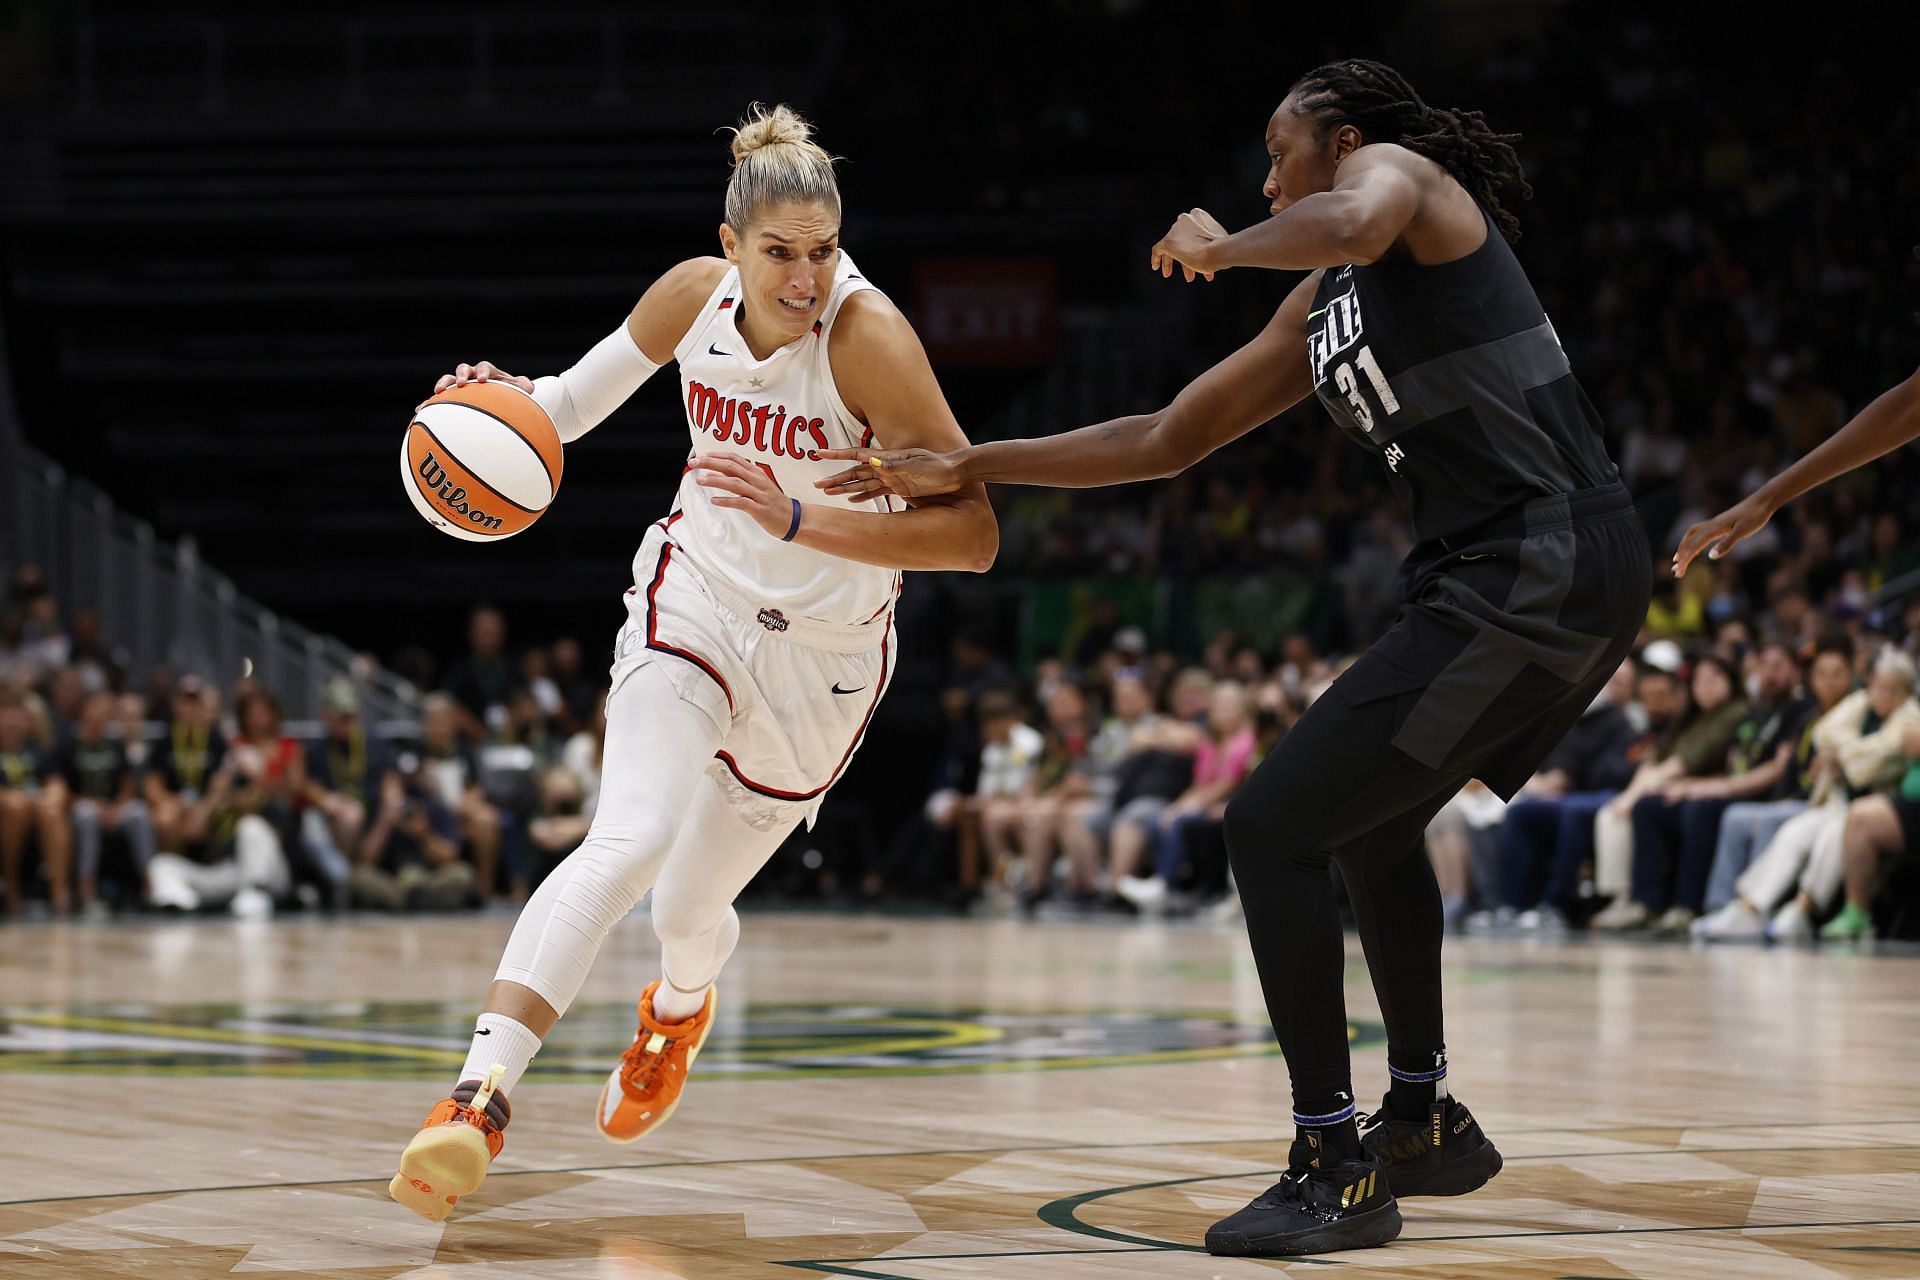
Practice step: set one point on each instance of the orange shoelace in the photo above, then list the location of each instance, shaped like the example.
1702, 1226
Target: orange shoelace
643, 1060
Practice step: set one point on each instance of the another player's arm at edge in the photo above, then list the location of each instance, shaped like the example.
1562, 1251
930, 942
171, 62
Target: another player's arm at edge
881, 372
1890, 421
1262, 379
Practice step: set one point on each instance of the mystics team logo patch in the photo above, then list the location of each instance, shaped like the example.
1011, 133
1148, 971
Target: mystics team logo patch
760, 1042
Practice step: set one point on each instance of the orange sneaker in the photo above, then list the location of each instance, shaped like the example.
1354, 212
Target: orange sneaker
645, 1088
449, 1156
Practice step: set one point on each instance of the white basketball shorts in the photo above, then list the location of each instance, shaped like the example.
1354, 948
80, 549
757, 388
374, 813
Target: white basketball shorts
792, 699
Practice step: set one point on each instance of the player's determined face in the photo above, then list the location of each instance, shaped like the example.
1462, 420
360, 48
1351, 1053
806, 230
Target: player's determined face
786, 260
1302, 163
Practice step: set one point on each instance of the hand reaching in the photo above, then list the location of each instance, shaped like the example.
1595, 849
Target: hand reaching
905, 473
1718, 535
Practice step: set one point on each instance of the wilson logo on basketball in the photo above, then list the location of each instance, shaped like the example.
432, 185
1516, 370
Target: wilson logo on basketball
481, 461
453, 497
766, 427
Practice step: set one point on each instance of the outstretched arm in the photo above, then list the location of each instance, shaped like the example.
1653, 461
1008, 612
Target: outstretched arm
1262, 379
1880, 428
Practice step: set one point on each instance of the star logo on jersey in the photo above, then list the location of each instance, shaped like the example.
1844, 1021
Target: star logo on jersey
756, 384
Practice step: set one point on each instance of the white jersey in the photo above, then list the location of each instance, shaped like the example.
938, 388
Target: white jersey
780, 413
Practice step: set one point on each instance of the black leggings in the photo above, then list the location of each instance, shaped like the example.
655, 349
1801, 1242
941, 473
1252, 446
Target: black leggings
1335, 783
1501, 646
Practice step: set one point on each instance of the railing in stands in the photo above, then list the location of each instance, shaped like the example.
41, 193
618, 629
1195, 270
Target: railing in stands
160, 606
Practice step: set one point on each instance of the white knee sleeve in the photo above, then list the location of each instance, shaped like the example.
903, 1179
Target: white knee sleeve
691, 960
658, 748
716, 855
616, 864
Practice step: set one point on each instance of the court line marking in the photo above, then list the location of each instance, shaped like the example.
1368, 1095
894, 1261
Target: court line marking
381, 1179
1872, 1248
831, 1266
830, 1263
1647, 1231
1063, 1213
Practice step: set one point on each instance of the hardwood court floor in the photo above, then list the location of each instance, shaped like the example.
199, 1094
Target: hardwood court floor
918, 1100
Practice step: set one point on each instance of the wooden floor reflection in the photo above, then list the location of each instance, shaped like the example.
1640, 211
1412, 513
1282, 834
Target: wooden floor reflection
929, 1099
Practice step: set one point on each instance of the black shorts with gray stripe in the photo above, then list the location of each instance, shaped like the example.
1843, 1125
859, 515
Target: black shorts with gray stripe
1506, 634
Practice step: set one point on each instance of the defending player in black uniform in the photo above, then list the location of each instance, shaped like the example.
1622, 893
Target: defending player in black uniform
1421, 335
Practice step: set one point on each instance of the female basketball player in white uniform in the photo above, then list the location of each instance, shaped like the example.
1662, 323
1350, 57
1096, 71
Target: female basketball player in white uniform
759, 636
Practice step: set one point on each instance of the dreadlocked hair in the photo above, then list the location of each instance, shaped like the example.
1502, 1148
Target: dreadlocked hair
1375, 99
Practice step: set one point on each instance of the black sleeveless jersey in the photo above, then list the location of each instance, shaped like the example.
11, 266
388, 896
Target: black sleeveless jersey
1453, 375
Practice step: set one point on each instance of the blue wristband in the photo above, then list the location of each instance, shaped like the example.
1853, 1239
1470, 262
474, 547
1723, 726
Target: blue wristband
795, 526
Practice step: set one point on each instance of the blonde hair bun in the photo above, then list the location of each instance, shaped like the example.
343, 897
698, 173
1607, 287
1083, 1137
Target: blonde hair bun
776, 161
781, 126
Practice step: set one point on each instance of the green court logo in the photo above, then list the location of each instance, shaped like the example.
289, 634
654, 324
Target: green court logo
428, 1040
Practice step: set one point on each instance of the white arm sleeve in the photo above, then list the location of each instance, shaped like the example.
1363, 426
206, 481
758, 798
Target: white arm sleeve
581, 398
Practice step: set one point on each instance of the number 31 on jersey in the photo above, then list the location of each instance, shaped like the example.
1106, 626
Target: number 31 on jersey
1343, 377
1339, 333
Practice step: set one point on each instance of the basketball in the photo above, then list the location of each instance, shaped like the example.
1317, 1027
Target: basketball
481, 461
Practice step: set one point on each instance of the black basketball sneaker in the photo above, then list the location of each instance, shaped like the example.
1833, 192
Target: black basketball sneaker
1443, 1153
1314, 1209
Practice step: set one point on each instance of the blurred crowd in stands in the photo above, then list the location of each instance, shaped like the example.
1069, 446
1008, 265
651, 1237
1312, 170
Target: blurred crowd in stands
1738, 786
1757, 780
171, 792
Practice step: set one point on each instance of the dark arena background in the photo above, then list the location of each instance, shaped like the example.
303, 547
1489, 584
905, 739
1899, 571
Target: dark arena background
995, 1014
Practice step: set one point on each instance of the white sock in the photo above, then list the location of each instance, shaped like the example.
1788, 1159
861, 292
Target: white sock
499, 1039
671, 1004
